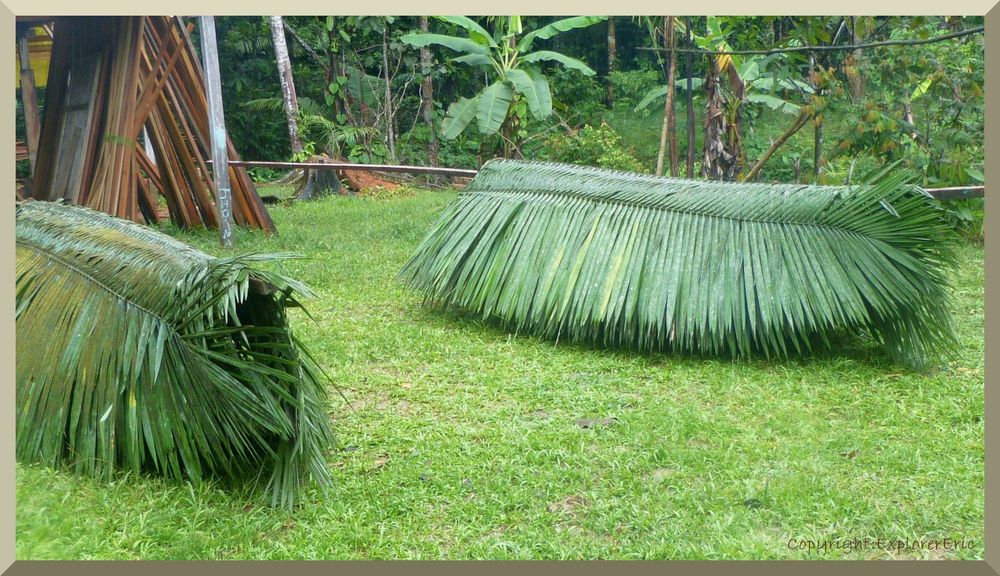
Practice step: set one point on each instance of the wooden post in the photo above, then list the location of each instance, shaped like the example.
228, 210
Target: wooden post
690, 103
217, 123
29, 99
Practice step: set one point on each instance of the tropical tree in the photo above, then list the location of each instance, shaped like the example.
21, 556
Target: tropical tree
731, 81
427, 95
669, 132
287, 83
507, 58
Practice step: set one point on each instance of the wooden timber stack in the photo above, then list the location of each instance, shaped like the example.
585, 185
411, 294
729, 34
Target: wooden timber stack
109, 78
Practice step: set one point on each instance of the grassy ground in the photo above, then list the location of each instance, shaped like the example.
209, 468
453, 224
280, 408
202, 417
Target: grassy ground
466, 442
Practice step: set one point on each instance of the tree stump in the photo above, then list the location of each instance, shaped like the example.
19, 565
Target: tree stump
318, 183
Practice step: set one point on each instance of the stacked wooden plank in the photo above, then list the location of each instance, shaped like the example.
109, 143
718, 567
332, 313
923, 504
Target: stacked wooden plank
111, 81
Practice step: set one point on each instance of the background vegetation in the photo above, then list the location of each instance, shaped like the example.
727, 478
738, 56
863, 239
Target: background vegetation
922, 103
369, 93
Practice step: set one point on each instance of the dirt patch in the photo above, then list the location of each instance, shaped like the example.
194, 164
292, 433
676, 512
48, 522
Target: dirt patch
661, 474
595, 422
361, 180
570, 506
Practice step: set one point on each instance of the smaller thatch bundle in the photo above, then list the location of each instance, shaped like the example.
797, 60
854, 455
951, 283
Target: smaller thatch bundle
137, 352
643, 262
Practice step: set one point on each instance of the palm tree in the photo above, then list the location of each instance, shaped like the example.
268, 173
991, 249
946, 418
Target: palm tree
138, 353
621, 259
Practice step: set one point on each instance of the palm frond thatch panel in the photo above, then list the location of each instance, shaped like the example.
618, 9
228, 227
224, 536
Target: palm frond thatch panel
653, 263
137, 352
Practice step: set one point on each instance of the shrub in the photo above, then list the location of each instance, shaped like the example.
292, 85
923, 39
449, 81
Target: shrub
631, 86
601, 147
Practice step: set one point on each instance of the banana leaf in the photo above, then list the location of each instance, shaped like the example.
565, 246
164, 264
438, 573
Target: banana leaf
718, 268
136, 352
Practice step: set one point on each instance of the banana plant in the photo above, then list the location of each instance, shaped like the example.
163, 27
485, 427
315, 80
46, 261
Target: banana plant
509, 61
761, 82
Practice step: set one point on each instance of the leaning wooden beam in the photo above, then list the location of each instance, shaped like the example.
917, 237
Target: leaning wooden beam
29, 99
55, 97
157, 76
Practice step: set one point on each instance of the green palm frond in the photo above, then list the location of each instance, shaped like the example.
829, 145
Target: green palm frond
711, 267
272, 104
137, 352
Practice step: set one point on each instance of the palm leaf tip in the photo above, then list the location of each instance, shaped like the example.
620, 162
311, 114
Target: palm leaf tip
645, 262
137, 352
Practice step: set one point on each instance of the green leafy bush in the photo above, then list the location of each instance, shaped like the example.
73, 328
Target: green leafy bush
631, 85
601, 147
578, 99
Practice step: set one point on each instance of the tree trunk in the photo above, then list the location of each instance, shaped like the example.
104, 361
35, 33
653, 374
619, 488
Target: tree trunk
669, 104
671, 93
908, 117
690, 104
856, 81
612, 54
817, 123
287, 85
427, 97
389, 123
716, 161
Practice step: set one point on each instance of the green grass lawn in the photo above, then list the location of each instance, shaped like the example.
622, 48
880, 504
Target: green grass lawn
466, 442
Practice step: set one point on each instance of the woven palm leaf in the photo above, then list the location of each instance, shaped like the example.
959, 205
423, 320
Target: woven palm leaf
137, 352
653, 263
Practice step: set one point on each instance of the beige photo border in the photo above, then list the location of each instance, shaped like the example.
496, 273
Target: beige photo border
8, 565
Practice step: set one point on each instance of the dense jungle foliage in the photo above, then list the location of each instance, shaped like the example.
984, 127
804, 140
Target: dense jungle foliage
919, 103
